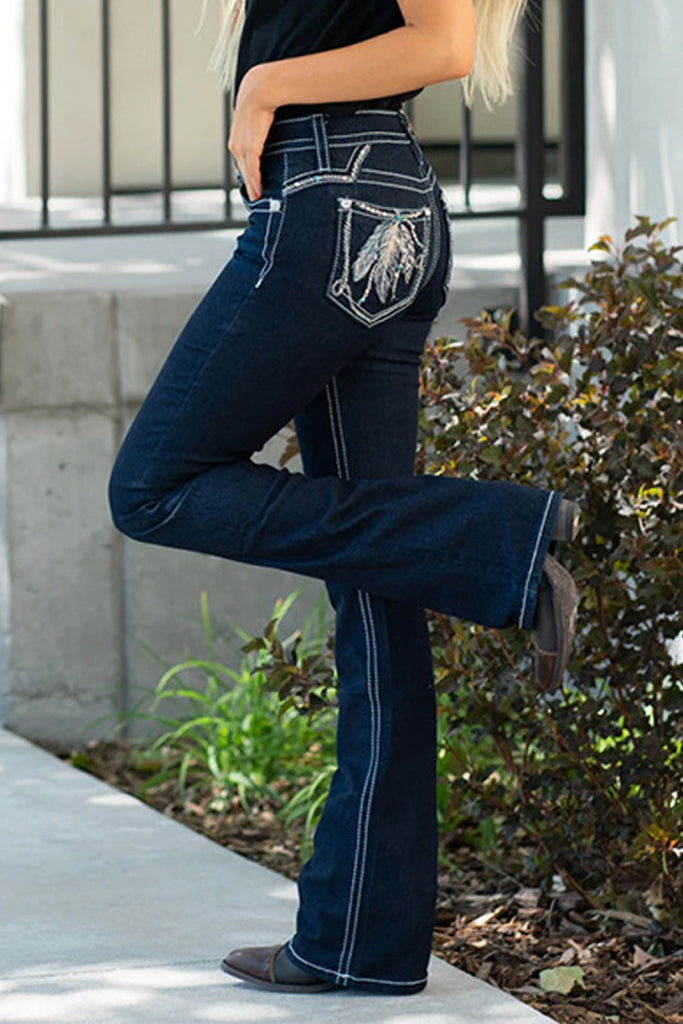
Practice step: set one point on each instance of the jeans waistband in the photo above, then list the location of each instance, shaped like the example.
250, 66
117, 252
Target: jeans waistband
314, 129
341, 109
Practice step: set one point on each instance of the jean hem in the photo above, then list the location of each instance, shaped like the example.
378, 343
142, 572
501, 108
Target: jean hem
346, 980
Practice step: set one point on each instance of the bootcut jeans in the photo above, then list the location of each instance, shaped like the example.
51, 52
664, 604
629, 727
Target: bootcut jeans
321, 315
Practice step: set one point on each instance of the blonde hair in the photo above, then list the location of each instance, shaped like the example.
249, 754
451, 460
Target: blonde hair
496, 27
496, 22
224, 56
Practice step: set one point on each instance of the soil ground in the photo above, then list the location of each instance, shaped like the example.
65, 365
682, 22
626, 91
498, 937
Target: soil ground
491, 922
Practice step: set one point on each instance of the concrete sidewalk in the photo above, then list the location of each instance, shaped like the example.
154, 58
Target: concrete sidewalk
111, 913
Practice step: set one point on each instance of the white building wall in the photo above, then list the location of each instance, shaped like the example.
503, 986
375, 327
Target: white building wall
12, 102
635, 115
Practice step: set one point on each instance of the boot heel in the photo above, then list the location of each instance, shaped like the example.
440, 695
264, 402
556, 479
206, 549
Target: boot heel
567, 523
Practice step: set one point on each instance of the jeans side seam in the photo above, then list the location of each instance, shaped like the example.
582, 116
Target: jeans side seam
436, 233
364, 806
372, 689
337, 406
333, 430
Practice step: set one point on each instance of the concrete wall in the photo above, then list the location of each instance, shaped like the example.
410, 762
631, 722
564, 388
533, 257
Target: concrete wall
76, 599
198, 137
635, 117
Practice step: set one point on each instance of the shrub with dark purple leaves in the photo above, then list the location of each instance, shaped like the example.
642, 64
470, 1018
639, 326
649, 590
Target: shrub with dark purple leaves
588, 780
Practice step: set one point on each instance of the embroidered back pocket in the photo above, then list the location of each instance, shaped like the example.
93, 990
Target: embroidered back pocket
380, 259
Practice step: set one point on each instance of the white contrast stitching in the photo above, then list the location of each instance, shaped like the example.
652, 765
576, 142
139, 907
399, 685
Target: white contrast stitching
291, 120
373, 691
264, 248
364, 809
351, 977
337, 404
339, 288
342, 471
316, 138
333, 429
323, 144
532, 564
273, 250
382, 173
370, 134
338, 139
375, 110
346, 176
316, 179
375, 748
297, 145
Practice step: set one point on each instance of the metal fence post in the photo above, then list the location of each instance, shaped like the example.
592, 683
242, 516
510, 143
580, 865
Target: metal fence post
106, 112
44, 113
166, 113
530, 156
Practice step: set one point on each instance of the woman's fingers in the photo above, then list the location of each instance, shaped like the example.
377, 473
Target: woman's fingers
247, 139
247, 158
250, 126
251, 177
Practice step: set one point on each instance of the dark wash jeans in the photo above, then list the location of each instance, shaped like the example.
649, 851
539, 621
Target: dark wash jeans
321, 315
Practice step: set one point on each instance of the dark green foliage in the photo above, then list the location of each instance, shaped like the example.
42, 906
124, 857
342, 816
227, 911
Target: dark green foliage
231, 733
593, 773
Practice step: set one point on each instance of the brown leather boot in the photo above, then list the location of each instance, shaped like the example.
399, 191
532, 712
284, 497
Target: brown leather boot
553, 632
270, 967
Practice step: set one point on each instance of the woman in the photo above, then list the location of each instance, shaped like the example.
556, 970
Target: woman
321, 315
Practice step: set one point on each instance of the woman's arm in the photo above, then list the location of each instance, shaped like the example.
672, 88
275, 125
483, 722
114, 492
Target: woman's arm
435, 44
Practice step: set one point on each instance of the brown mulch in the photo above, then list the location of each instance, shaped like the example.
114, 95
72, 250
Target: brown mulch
489, 923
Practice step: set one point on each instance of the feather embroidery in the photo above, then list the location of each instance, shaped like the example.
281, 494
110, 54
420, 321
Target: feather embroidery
390, 252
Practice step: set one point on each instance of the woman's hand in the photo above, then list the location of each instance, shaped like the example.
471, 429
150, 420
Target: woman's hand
251, 121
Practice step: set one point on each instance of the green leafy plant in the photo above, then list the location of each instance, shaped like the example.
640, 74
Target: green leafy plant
592, 774
229, 732
307, 805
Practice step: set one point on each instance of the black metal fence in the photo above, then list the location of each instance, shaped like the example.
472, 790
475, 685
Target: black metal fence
530, 146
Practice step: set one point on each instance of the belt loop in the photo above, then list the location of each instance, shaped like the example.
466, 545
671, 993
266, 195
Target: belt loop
321, 147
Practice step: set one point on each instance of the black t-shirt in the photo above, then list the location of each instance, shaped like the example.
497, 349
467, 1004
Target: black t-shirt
276, 29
